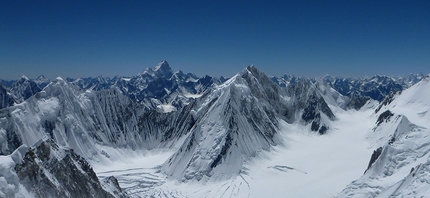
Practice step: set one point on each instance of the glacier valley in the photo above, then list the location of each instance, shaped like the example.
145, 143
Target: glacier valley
172, 134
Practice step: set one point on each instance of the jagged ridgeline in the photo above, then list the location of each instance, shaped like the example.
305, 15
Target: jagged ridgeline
218, 123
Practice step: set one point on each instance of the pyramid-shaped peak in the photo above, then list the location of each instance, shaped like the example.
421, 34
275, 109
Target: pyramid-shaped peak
253, 71
163, 65
161, 70
41, 77
22, 80
23, 77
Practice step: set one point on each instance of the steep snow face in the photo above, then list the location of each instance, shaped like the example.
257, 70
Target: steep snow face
57, 111
83, 119
240, 118
234, 122
402, 149
414, 103
401, 158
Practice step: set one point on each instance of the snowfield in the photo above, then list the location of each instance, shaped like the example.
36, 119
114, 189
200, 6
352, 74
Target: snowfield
306, 165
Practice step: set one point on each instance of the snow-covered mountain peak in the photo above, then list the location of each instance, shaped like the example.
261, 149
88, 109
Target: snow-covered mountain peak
59, 79
161, 70
24, 78
235, 121
66, 174
23, 89
163, 65
41, 77
401, 147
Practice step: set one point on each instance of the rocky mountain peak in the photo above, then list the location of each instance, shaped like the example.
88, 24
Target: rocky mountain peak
47, 170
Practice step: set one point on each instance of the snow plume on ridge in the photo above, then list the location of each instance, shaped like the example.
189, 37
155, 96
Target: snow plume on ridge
235, 121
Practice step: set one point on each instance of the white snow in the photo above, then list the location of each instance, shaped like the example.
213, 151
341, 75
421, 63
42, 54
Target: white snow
414, 103
166, 108
10, 185
311, 165
189, 95
307, 165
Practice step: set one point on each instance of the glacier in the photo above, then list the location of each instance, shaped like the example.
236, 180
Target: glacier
170, 134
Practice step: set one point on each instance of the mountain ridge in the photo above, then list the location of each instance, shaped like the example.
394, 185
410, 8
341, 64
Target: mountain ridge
213, 126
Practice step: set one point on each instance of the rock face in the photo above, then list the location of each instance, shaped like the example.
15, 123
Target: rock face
6, 99
19, 91
111, 185
24, 88
48, 170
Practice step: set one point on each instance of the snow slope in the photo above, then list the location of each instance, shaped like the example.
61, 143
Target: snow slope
400, 163
305, 165
234, 122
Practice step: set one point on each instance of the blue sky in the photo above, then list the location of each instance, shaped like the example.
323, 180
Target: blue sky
347, 38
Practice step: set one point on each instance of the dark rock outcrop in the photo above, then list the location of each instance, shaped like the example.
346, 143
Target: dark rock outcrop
49, 170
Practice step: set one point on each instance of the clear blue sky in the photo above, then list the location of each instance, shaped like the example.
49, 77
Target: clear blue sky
306, 38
